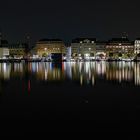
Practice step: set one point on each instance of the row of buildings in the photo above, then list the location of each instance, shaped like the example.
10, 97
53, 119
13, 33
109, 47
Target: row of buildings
79, 48
89, 48
15, 50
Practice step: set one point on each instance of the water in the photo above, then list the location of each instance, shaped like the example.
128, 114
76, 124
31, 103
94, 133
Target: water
99, 96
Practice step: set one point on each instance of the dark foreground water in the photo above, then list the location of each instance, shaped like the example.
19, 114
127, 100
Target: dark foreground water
90, 96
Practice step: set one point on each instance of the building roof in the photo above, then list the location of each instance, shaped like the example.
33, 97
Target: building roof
122, 39
4, 42
18, 45
46, 39
77, 40
101, 42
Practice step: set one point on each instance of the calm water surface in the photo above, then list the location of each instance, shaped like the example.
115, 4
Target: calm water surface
90, 96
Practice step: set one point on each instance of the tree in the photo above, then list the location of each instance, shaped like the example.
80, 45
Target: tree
110, 54
44, 55
92, 54
120, 54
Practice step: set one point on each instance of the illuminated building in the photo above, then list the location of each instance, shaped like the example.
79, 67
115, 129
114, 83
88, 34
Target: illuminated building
47, 47
18, 50
101, 49
120, 47
83, 48
4, 51
137, 46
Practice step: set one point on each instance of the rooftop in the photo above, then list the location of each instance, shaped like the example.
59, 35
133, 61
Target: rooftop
46, 39
85, 40
122, 39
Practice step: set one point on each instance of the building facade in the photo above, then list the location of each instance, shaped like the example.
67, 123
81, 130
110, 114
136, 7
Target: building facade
100, 49
4, 50
83, 48
137, 46
120, 47
47, 47
18, 50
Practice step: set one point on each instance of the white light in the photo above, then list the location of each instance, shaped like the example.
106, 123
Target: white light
87, 54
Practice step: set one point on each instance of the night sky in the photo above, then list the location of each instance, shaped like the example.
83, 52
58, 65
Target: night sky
67, 19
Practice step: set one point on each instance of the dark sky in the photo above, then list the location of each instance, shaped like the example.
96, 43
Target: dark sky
67, 19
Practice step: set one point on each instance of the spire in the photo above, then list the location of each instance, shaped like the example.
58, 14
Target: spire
124, 35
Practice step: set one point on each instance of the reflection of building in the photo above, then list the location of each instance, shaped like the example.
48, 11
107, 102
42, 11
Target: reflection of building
47, 71
137, 73
137, 46
117, 47
46, 47
5, 71
120, 71
18, 50
84, 48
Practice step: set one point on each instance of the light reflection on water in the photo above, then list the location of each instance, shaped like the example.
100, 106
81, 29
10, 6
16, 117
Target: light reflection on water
84, 72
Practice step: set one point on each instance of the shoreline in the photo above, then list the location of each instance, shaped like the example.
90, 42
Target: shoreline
25, 60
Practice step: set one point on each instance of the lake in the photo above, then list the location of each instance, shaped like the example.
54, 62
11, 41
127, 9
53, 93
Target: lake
69, 96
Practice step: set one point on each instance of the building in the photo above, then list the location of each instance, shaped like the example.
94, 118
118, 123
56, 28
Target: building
120, 47
18, 50
47, 47
83, 48
137, 46
4, 51
100, 49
